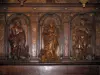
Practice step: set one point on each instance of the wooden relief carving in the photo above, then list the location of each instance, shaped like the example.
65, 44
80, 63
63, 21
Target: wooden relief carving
50, 35
81, 37
2, 34
98, 34
18, 36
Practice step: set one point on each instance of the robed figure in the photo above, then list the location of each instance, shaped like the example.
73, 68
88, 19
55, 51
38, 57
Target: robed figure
50, 41
17, 40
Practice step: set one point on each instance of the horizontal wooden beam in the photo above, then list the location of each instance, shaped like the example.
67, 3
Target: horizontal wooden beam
50, 4
13, 62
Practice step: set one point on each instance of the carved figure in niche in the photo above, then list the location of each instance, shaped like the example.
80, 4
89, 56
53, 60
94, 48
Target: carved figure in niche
17, 40
81, 42
50, 39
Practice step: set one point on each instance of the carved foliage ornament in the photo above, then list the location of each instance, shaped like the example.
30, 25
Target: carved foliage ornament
83, 2
22, 2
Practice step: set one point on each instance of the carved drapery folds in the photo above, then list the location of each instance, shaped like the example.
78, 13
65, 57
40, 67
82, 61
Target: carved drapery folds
81, 37
50, 36
18, 36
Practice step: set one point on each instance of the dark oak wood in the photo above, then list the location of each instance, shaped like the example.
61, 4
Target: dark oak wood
49, 70
10, 67
31, 62
50, 5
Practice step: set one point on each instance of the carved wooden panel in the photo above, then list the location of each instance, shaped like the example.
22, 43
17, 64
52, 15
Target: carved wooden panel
31, 24
81, 30
82, 48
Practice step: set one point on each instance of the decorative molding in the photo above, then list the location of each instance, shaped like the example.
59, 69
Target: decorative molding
50, 4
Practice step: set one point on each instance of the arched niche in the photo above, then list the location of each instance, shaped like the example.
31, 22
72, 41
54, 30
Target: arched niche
50, 26
18, 36
82, 37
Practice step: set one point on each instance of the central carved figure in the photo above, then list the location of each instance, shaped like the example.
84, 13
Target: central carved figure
50, 40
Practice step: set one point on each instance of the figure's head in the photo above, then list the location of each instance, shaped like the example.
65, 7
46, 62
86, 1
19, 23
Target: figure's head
16, 21
52, 23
